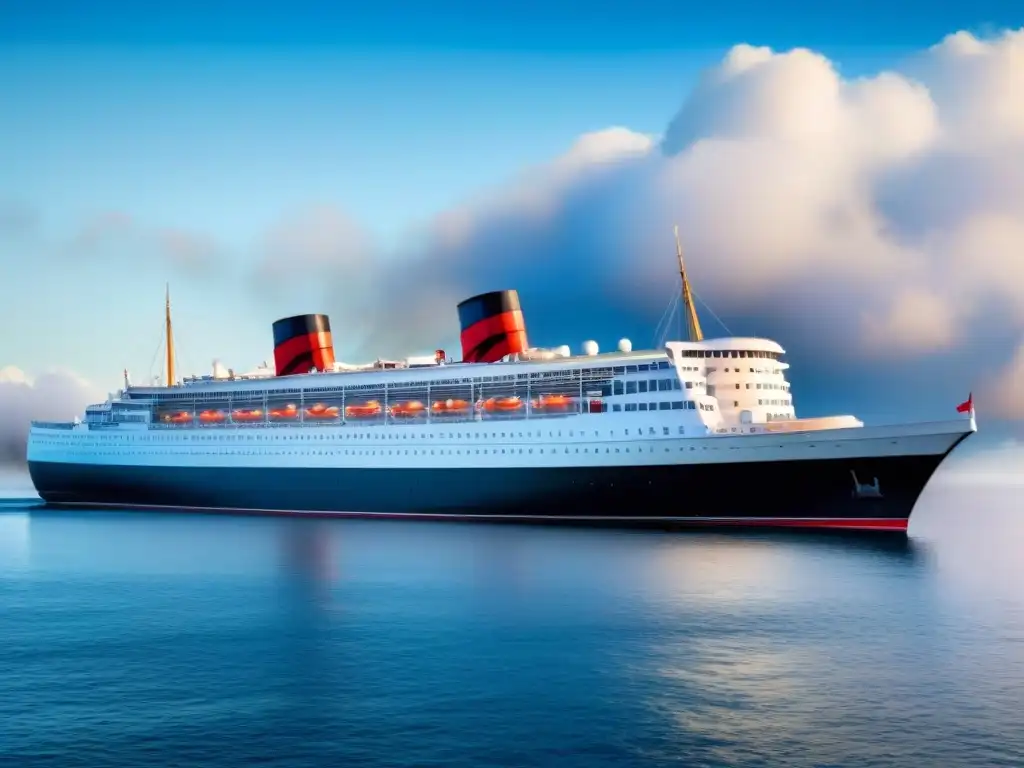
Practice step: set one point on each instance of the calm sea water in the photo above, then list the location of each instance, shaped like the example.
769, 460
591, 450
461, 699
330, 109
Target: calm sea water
132, 639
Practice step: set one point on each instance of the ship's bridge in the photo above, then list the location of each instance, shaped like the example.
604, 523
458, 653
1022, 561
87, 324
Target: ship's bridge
744, 374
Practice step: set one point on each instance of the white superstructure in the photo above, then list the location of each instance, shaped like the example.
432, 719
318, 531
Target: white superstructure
695, 402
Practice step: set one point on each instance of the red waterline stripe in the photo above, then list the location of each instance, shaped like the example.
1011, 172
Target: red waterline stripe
862, 524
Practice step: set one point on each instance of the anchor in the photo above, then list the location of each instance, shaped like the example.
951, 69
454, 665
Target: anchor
865, 490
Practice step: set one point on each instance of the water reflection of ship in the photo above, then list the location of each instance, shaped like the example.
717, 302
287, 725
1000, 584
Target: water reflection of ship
307, 553
498, 558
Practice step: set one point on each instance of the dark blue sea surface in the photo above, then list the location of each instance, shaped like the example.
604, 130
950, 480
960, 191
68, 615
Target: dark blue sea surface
142, 639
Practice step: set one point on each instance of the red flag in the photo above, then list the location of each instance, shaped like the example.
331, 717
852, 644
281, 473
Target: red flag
967, 405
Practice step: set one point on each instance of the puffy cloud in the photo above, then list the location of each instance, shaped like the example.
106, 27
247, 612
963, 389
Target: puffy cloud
976, 86
867, 218
917, 321
53, 396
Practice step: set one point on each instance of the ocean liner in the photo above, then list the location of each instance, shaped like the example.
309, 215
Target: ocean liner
701, 432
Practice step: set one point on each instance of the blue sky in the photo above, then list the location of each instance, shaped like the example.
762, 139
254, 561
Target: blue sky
221, 121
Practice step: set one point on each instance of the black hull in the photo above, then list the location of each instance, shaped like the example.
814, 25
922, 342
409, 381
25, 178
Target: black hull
816, 494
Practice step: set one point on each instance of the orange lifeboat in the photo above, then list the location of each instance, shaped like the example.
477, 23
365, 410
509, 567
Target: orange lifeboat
322, 412
247, 414
211, 417
503, 404
411, 408
449, 407
181, 417
552, 402
369, 408
289, 412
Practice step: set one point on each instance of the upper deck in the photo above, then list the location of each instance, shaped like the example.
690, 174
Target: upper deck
682, 377
399, 375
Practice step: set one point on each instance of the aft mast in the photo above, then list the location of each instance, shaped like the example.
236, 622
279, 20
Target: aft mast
170, 338
693, 330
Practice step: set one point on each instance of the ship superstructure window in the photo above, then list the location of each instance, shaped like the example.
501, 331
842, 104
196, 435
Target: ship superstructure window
706, 353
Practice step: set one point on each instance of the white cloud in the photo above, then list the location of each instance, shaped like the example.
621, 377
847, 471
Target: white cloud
886, 211
976, 85
917, 321
52, 396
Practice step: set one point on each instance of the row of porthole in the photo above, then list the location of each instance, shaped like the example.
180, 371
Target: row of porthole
391, 436
407, 452
415, 452
440, 452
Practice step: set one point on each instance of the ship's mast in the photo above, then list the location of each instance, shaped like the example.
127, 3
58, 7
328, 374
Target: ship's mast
170, 339
693, 330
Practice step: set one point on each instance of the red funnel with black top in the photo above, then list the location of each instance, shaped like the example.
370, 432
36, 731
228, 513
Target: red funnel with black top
303, 342
492, 327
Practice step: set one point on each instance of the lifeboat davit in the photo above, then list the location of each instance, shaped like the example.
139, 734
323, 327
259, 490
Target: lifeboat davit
321, 411
503, 404
442, 407
289, 412
411, 408
181, 417
369, 408
247, 414
211, 417
552, 402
